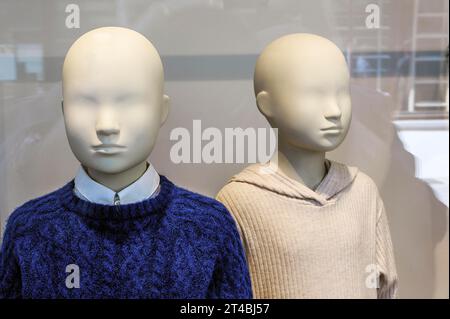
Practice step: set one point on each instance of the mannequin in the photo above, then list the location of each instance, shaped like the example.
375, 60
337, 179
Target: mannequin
119, 229
311, 227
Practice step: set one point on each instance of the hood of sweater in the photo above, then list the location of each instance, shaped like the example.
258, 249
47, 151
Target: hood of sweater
339, 176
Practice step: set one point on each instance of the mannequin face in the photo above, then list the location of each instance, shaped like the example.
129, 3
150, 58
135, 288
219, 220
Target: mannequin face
113, 99
302, 87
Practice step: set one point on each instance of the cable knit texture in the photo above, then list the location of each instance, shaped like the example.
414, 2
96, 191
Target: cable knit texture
331, 242
176, 245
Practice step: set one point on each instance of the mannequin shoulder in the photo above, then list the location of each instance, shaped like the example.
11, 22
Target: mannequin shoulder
364, 180
236, 193
32, 213
193, 207
234, 188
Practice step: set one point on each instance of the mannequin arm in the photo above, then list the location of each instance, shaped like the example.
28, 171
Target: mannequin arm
388, 280
231, 276
9, 269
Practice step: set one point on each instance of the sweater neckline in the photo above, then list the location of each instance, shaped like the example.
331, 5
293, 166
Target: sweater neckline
140, 209
267, 176
330, 184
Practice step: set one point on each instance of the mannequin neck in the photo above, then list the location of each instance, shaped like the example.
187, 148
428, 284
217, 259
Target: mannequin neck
117, 182
305, 166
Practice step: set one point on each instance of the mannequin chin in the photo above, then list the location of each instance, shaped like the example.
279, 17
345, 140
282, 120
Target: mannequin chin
113, 102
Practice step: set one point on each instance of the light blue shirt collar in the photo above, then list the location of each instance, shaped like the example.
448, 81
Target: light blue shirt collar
144, 187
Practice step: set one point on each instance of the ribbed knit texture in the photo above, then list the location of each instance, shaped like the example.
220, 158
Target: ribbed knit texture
176, 245
303, 243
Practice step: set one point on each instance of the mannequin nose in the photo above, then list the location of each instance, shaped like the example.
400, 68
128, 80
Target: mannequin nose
333, 111
107, 131
106, 124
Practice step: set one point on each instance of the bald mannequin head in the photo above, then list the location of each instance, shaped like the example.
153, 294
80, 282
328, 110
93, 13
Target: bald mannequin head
112, 51
113, 84
301, 85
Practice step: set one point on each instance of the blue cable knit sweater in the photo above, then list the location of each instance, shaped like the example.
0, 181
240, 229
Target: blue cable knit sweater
176, 245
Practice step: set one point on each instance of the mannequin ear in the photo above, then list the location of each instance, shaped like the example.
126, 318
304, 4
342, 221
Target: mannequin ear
264, 104
165, 109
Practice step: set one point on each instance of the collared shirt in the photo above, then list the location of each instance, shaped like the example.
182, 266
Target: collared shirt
144, 187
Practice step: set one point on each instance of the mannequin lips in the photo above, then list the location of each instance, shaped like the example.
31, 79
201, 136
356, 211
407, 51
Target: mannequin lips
108, 148
332, 130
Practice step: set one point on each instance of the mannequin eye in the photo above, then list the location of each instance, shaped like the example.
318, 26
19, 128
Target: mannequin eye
125, 98
317, 92
88, 99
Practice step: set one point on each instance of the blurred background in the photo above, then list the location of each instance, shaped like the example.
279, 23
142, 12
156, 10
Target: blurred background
399, 134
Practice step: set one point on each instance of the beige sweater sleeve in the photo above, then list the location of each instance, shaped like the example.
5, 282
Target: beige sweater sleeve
388, 280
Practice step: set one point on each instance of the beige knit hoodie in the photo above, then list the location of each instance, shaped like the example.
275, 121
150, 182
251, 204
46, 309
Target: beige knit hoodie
330, 242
